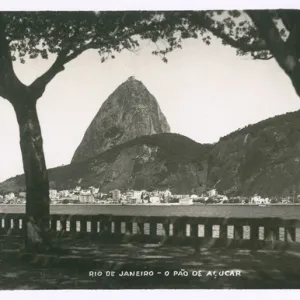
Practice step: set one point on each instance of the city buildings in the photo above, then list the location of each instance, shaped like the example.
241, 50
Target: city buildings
116, 195
94, 195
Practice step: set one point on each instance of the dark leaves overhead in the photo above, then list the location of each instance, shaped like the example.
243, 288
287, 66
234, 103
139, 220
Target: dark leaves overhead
40, 34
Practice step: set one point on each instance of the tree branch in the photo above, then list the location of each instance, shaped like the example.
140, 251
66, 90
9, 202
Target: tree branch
291, 21
209, 24
269, 32
285, 55
38, 87
92, 44
259, 57
10, 85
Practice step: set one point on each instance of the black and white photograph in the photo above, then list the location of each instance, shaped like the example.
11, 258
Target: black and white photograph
150, 149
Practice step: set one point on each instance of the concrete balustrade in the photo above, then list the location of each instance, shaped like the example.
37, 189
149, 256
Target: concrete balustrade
244, 232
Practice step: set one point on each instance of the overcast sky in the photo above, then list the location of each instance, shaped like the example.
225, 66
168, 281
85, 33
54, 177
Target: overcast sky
204, 91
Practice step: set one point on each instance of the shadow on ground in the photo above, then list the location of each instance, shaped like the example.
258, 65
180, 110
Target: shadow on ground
259, 269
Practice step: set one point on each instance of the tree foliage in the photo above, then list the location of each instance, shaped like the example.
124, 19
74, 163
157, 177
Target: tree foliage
66, 35
261, 34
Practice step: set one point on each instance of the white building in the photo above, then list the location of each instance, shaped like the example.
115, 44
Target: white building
116, 195
259, 200
9, 196
222, 198
129, 194
212, 193
137, 195
64, 193
77, 189
53, 194
165, 195
86, 198
185, 201
22, 194
154, 199
94, 190
85, 192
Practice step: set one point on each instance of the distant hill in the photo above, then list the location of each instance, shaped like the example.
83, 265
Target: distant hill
151, 162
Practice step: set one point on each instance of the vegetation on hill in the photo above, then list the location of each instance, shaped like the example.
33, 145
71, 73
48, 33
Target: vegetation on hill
289, 121
262, 158
150, 162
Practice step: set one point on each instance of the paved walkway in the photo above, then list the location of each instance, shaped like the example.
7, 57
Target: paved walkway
234, 269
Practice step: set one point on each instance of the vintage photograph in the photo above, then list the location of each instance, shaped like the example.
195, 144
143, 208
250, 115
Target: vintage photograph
150, 149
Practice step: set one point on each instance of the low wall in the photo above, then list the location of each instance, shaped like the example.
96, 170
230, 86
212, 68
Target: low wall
249, 233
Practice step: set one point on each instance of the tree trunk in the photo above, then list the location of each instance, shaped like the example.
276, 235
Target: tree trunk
36, 225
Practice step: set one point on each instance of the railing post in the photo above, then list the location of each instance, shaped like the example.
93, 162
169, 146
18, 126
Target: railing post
73, 228
179, 227
207, 231
166, 227
223, 232
6, 224
117, 227
16, 228
128, 227
194, 235
63, 223
238, 232
140, 228
53, 223
94, 225
23, 229
194, 230
152, 227
290, 234
1, 227
271, 233
105, 226
83, 225
254, 234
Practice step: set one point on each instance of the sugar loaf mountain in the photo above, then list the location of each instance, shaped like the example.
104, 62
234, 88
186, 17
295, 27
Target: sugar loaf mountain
128, 145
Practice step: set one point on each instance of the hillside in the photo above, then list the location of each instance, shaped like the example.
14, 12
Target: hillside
263, 158
149, 162
129, 112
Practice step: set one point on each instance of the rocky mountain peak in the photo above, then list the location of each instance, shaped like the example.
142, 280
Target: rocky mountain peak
129, 112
